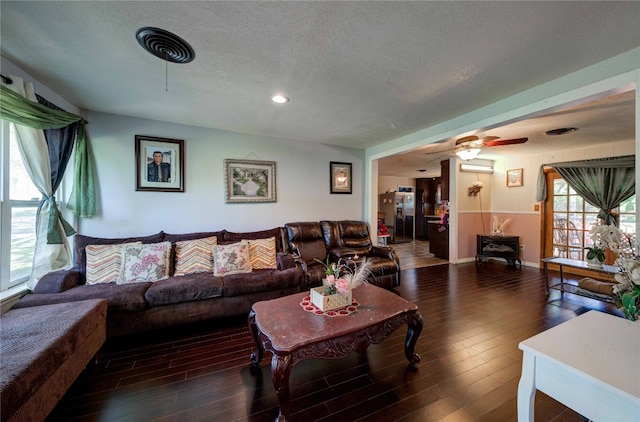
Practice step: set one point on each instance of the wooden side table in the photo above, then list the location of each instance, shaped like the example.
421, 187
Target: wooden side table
590, 364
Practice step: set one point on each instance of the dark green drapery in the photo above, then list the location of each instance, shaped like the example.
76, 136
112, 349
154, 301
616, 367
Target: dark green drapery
21, 111
604, 183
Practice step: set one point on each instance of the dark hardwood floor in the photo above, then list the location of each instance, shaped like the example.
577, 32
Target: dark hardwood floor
474, 318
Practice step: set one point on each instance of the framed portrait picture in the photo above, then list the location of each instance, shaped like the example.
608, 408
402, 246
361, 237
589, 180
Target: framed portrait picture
159, 164
340, 174
249, 181
514, 178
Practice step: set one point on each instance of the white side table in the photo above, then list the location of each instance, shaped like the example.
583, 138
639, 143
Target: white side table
382, 239
590, 364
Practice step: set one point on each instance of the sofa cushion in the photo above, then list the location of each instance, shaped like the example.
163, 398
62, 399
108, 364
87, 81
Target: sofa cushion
194, 256
104, 262
231, 259
260, 281
306, 239
120, 297
80, 242
262, 253
185, 288
36, 342
141, 263
173, 238
276, 233
355, 235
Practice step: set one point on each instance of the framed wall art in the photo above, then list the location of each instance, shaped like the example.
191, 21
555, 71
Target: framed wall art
340, 174
249, 181
159, 164
514, 178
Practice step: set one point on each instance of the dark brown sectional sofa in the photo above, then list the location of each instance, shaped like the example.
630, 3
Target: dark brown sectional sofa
138, 307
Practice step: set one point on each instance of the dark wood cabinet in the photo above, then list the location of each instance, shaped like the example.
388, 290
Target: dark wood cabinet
507, 247
425, 205
444, 179
439, 240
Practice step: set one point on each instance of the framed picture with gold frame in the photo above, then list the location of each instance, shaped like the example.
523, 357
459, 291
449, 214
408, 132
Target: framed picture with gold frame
248, 181
514, 178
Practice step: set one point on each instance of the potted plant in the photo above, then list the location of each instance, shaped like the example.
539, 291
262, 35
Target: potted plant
595, 255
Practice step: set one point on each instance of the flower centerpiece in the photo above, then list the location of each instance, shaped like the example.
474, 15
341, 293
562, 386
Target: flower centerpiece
341, 278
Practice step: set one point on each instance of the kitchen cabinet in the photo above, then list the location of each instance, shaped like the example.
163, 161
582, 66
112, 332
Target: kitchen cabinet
426, 205
439, 239
444, 179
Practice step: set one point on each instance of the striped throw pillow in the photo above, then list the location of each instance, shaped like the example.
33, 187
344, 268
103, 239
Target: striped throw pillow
104, 262
262, 253
195, 256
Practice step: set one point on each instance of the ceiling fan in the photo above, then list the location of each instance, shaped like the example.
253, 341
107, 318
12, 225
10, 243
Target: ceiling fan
469, 147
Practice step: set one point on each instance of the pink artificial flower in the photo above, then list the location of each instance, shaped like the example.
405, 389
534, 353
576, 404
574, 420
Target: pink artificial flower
342, 285
331, 279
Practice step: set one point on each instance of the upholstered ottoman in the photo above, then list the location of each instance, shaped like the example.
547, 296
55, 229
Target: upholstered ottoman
44, 349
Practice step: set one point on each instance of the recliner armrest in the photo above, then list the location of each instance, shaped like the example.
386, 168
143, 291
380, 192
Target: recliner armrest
285, 261
384, 252
58, 281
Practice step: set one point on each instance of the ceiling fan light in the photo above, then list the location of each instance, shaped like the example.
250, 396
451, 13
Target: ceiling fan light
468, 153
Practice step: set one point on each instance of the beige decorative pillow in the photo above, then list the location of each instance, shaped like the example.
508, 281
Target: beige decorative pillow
142, 263
195, 256
262, 253
231, 259
104, 262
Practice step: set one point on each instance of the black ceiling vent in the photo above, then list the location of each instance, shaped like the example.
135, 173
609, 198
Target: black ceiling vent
165, 45
560, 131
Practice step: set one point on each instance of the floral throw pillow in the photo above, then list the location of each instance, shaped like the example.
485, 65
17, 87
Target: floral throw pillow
262, 253
231, 259
195, 256
104, 262
142, 263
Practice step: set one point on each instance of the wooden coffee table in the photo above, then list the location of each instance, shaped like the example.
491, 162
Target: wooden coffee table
281, 326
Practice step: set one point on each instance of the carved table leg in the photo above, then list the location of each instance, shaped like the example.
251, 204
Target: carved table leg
413, 332
256, 356
280, 371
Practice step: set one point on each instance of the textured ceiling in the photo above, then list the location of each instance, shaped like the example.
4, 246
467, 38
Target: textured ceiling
358, 73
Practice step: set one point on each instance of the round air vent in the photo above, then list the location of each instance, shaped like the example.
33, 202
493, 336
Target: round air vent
165, 45
560, 131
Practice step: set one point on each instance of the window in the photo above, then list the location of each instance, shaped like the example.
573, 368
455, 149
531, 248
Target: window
573, 217
18, 208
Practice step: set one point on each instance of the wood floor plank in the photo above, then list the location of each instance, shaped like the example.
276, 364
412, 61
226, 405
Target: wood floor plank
474, 317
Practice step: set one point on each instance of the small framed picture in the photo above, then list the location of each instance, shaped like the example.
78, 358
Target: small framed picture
340, 174
159, 164
249, 181
514, 178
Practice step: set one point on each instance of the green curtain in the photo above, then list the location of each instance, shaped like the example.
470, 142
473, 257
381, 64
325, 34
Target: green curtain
19, 110
604, 183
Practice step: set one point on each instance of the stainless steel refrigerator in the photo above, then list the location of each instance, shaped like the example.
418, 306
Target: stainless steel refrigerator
405, 212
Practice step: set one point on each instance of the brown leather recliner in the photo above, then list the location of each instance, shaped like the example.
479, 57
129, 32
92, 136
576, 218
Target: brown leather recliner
344, 240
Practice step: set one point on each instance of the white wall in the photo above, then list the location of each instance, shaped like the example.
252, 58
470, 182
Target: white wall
302, 171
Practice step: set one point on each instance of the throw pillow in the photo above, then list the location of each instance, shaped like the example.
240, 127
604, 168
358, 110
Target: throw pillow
262, 253
104, 262
195, 256
148, 262
231, 259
